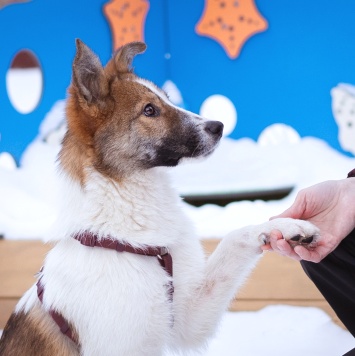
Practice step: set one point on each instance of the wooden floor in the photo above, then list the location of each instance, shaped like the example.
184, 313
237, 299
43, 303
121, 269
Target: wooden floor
276, 279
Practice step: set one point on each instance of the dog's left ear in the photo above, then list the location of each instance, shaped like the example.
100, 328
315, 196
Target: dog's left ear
88, 74
123, 58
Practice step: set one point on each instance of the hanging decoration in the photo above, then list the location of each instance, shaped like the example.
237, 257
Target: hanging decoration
4, 3
231, 23
127, 20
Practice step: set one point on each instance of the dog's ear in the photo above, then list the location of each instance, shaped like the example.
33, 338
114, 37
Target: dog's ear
123, 58
88, 74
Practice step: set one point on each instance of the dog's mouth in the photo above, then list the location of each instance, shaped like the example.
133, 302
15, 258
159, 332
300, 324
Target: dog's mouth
172, 158
197, 143
168, 157
209, 151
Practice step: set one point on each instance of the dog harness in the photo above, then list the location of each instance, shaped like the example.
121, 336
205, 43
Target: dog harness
89, 239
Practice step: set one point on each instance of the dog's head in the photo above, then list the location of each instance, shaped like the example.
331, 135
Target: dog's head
119, 123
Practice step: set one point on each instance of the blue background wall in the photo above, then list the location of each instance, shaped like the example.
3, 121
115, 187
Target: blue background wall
282, 75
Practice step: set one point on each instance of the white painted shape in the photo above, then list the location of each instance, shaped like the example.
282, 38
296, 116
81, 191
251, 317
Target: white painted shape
24, 88
278, 134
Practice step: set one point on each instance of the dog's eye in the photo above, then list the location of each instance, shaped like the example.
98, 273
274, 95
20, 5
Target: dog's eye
150, 111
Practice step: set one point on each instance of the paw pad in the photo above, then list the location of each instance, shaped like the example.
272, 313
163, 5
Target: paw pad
301, 240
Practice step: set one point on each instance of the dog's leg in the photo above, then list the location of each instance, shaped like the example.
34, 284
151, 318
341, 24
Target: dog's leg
227, 268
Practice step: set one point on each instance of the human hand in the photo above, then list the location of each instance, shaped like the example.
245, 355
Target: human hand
331, 207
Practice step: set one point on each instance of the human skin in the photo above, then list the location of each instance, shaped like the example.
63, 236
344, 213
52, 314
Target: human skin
330, 206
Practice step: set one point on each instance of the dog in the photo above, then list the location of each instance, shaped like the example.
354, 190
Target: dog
127, 275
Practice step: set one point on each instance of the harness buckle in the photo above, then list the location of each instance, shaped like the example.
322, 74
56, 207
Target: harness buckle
163, 251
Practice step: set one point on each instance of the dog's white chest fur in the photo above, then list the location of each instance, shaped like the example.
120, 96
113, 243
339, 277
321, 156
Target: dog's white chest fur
143, 209
114, 295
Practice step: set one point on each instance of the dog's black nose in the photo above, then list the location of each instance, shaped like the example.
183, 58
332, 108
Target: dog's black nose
214, 127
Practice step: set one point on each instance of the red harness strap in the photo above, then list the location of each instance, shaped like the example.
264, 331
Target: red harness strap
58, 318
89, 239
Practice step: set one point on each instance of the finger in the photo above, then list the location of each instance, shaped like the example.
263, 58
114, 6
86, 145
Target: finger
281, 246
284, 247
275, 236
266, 247
286, 250
308, 255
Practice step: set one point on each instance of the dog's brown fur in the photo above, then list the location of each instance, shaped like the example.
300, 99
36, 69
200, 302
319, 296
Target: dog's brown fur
36, 334
105, 116
91, 105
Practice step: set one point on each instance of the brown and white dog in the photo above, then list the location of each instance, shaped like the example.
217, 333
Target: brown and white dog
122, 242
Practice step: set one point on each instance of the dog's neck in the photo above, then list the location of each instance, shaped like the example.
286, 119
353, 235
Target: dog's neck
138, 209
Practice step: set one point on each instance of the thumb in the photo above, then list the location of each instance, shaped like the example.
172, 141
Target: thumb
295, 211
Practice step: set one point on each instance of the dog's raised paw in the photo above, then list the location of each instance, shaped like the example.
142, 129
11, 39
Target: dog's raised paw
296, 232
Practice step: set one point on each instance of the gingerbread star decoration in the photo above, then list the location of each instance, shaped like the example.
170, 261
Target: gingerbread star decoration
127, 20
231, 23
4, 3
